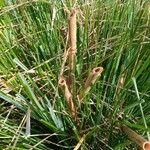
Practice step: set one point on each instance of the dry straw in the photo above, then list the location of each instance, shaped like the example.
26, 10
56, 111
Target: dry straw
73, 46
67, 85
68, 96
96, 72
138, 139
70, 55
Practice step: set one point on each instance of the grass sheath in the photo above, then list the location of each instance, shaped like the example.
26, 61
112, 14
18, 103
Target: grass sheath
72, 46
96, 72
138, 139
68, 96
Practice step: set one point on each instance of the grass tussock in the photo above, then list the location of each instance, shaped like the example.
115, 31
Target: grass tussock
73, 73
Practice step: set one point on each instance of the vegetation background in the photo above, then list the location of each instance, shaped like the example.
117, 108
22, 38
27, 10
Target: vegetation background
114, 34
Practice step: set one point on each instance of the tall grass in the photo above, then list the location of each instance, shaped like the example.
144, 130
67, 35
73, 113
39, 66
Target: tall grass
112, 34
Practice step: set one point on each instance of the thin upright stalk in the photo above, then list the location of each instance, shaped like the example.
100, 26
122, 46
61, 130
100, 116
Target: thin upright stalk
67, 85
72, 47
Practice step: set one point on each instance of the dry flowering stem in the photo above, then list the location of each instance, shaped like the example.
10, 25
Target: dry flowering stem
138, 139
72, 46
68, 96
96, 72
67, 85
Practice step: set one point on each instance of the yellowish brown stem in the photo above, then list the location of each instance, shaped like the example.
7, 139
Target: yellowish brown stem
73, 46
72, 30
67, 85
68, 96
138, 139
96, 72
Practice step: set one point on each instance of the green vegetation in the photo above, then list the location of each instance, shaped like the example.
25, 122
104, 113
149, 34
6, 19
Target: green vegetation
111, 34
